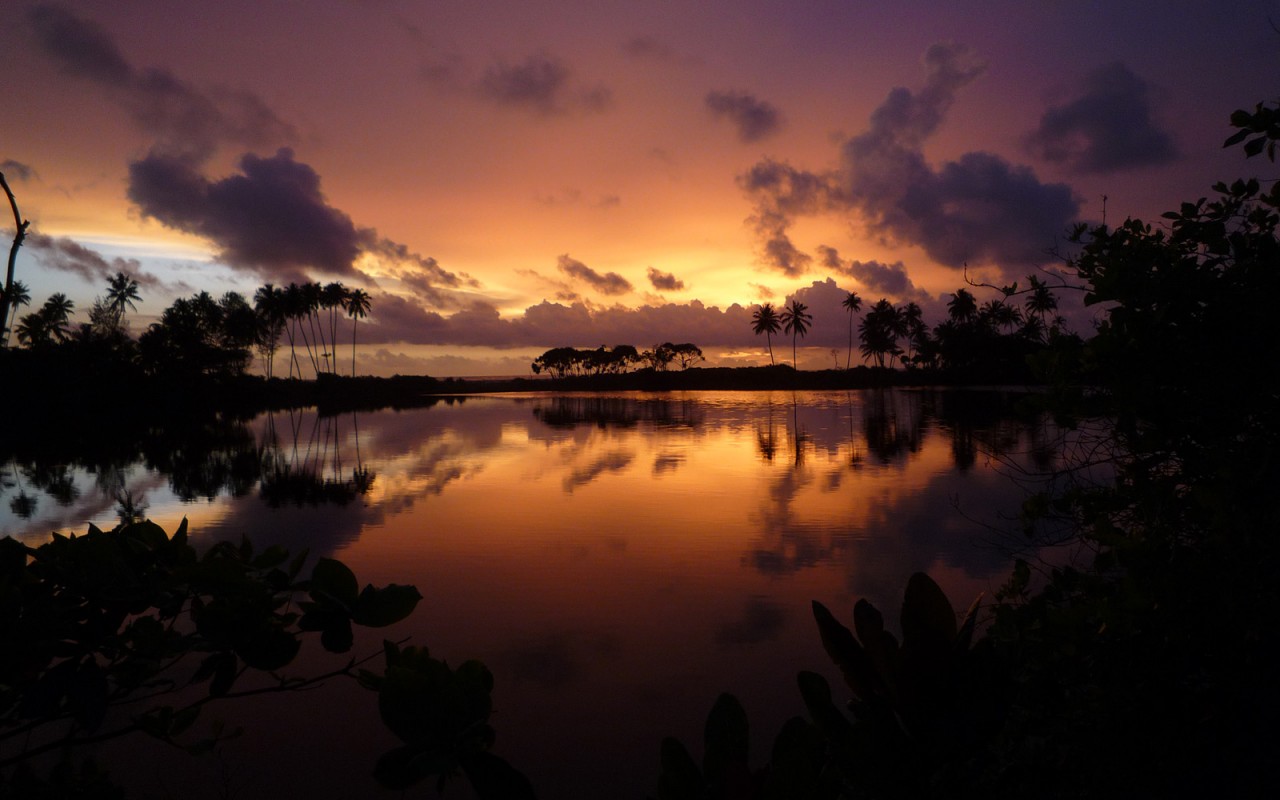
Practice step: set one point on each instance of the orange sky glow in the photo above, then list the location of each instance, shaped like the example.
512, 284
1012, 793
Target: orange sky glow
507, 177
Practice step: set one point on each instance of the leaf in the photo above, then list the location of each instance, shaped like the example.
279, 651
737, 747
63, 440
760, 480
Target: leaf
927, 617
493, 778
336, 636
727, 740
847, 654
816, 693
224, 675
335, 579
1254, 146
404, 767
680, 779
377, 608
270, 649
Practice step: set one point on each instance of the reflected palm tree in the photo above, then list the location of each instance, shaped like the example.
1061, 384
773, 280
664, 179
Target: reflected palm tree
799, 438
766, 438
312, 474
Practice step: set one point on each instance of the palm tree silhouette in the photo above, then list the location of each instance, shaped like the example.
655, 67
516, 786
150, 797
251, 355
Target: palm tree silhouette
852, 303
18, 295
357, 309
963, 307
122, 291
795, 321
765, 320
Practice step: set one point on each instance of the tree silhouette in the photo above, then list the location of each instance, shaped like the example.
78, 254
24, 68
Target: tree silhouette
122, 291
851, 303
20, 226
17, 295
879, 332
963, 307
49, 324
796, 321
357, 309
765, 320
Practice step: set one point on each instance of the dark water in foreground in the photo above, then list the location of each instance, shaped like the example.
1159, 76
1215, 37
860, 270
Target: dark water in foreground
617, 561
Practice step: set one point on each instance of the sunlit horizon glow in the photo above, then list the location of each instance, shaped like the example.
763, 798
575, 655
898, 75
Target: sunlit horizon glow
462, 154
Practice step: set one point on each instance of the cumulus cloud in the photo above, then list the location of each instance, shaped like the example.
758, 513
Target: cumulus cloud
610, 283
976, 209
67, 255
754, 119
273, 220
393, 318
781, 193
1109, 126
664, 281
182, 117
17, 169
542, 84
890, 280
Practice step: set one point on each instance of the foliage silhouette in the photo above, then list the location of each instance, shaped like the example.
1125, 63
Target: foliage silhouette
98, 632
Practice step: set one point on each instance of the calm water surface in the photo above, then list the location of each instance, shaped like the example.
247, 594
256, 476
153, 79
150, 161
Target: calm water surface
617, 561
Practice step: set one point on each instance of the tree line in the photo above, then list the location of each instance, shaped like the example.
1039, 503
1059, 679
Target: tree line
201, 334
562, 362
995, 332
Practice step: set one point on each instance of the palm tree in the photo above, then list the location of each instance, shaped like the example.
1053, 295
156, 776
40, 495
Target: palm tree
268, 302
57, 312
852, 303
1041, 300
765, 320
357, 308
963, 307
795, 321
122, 291
18, 295
879, 332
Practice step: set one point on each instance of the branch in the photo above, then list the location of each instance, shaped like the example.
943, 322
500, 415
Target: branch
19, 235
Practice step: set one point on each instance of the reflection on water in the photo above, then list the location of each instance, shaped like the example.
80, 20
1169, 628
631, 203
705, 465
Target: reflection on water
617, 560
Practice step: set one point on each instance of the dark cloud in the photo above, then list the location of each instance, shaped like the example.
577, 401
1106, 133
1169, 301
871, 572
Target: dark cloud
272, 219
890, 280
66, 255
665, 281
81, 47
781, 193
978, 208
1110, 126
540, 83
17, 169
754, 119
183, 118
610, 283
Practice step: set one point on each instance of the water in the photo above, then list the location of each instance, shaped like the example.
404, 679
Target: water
617, 561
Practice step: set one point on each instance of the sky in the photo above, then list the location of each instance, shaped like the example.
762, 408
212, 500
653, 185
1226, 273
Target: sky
507, 177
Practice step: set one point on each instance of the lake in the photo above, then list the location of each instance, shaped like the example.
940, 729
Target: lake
616, 560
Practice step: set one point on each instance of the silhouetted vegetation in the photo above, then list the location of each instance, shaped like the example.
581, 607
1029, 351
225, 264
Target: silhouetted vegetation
1147, 670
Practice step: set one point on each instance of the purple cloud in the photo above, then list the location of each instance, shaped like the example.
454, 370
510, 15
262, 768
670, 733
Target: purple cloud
754, 119
664, 281
976, 209
183, 118
1110, 126
610, 283
540, 83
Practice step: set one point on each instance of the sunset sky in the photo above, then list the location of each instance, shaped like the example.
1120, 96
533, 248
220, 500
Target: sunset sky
505, 177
